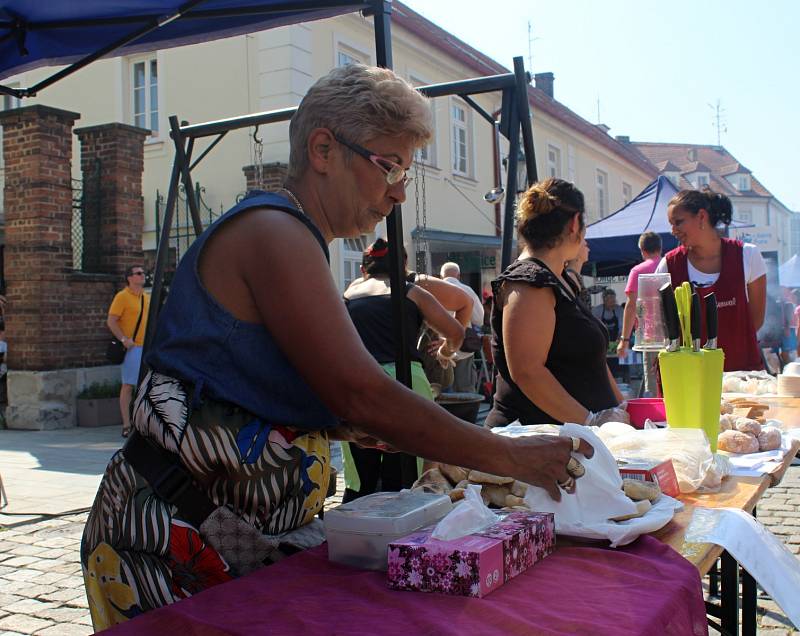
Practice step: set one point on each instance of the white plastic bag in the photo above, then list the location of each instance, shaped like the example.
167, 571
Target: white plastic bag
688, 449
470, 515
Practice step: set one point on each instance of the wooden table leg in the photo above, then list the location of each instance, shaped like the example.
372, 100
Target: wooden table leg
730, 594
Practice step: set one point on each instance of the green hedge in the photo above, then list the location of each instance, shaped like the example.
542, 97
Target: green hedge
100, 390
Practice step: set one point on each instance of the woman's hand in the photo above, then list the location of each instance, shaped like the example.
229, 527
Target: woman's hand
541, 460
348, 433
622, 348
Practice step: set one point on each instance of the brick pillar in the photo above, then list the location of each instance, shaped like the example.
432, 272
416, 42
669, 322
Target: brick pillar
37, 149
112, 162
274, 176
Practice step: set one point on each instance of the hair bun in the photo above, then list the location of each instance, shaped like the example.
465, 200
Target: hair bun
539, 201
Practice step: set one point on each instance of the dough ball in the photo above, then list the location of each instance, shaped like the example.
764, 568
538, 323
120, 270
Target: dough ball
746, 425
769, 438
494, 495
737, 442
725, 422
432, 481
638, 490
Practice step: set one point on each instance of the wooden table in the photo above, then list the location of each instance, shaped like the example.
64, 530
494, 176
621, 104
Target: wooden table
736, 492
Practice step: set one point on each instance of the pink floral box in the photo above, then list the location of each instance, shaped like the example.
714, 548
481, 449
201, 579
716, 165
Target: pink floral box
473, 565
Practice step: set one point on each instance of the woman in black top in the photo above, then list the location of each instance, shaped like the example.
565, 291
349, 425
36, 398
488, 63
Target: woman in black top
549, 350
370, 307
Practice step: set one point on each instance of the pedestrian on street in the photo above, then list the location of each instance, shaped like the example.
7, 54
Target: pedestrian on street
650, 249
465, 375
127, 320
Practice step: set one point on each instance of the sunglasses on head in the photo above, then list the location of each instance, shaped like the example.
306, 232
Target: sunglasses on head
395, 173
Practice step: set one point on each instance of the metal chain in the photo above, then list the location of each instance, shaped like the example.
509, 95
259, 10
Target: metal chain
258, 160
422, 237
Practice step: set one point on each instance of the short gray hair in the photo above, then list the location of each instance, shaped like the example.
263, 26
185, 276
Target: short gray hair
359, 103
450, 269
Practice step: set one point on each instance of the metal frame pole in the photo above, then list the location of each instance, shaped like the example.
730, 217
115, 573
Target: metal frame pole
394, 222
511, 185
730, 594
182, 159
749, 602
162, 251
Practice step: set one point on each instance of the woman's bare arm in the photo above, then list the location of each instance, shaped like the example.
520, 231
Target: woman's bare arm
450, 297
757, 301
437, 317
527, 349
302, 309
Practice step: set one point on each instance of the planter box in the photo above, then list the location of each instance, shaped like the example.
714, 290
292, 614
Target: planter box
99, 412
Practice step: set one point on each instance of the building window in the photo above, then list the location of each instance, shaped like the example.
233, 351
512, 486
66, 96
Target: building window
145, 95
352, 251
627, 193
9, 102
744, 216
602, 194
346, 56
460, 139
427, 154
553, 162
702, 181
744, 182
675, 178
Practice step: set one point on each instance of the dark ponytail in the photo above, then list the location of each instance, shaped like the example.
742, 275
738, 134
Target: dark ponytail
717, 205
375, 259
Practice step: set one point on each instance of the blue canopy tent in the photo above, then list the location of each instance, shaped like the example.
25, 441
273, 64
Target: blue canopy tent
35, 34
614, 240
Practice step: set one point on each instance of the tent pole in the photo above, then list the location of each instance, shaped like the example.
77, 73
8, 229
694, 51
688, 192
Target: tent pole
394, 222
511, 185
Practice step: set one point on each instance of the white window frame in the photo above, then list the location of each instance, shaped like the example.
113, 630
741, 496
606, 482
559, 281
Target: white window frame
456, 128
427, 154
602, 192
147, 61
351, 257
744, 184
627, 193
701, 180
350, 48
553, 163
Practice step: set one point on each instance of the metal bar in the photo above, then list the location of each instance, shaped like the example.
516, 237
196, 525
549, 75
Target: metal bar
749, 602
207, 150
382, 16
511, 187
477, 108
474, 86
713, 580
144, 30
524, 114
162, 251
182, 158
14, 92
730, 594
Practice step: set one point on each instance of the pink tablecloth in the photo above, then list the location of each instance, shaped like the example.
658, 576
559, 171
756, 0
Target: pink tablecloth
645, 588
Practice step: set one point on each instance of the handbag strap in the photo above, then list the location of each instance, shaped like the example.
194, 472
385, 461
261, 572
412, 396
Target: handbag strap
139, 320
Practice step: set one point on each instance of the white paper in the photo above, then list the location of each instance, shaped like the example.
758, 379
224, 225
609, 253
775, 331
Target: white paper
755, 464
470, 515
756, 549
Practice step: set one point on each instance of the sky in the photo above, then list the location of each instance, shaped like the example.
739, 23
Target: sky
658, 69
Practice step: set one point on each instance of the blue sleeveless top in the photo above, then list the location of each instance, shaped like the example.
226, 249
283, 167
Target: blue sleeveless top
198, 341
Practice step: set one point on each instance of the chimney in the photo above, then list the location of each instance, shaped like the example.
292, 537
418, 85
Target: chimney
623, 139
544, 82
603, 127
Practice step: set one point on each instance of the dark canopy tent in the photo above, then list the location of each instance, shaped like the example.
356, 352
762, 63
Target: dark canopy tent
614, 240
35, 34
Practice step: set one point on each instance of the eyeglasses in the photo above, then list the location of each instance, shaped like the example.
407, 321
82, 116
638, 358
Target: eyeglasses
139, 273
395, 173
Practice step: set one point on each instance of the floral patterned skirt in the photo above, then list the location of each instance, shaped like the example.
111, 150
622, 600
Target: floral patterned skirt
138, 554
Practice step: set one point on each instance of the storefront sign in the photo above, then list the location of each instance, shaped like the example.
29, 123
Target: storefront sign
763, 237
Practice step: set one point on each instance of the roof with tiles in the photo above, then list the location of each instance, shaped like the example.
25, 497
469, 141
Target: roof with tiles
715, 159
446, 42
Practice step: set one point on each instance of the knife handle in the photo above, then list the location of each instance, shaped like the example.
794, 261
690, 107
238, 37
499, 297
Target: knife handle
670, 310
711, 316
696, 326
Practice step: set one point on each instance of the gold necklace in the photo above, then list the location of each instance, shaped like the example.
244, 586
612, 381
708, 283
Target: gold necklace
295, 200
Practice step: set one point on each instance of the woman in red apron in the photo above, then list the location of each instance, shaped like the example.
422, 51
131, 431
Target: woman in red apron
734, 271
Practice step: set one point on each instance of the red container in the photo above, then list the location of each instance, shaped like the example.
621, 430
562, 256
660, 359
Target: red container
641, 409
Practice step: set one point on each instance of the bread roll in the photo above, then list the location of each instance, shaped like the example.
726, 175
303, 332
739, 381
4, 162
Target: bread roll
769, 438
641, 508
737, 442
638, 490
478, 477
494, 495
518, 489
513, 501
457, 494
433, 481
725, 408
725, 422
454, 473
746, 425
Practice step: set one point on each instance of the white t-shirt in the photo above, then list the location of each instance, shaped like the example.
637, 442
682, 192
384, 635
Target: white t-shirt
477, 308
754, 268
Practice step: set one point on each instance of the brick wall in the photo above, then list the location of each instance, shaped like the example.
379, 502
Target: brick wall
55, 317
274, 174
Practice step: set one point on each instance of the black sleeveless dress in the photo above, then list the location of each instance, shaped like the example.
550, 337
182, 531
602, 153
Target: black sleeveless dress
577, 356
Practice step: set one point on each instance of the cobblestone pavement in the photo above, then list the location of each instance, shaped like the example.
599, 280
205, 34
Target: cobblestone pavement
41, 587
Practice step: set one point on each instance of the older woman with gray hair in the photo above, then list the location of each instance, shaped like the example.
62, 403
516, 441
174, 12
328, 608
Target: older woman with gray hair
255, 365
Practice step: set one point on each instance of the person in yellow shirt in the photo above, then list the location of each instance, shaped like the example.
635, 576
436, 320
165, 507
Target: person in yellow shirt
123, 317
